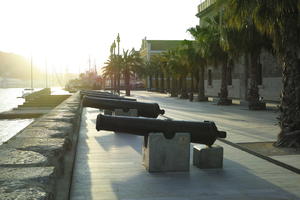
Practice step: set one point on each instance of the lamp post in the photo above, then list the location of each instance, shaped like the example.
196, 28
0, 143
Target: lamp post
118, 63
118, 41
113, 54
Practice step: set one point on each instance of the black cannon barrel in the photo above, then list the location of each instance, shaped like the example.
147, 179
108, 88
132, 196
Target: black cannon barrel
97, 93
143, 109
201, 132
109, 97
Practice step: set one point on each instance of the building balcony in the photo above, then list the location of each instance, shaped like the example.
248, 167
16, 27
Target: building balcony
205, 4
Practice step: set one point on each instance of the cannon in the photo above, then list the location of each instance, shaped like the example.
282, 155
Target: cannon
108, 97
151, 110
97, 93
201, 132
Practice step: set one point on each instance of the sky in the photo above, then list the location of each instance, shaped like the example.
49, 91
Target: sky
66, 34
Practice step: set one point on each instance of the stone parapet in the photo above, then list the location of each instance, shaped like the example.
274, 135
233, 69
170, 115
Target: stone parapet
37, 163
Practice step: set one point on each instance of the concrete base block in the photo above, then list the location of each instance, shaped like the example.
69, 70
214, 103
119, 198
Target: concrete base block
131, 112
108, 112
162, 155
205, 157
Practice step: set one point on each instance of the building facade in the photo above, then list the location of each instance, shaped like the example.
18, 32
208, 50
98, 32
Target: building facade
269, 71
150, 48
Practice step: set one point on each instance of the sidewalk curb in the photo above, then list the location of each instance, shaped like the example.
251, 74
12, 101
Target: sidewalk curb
276, 162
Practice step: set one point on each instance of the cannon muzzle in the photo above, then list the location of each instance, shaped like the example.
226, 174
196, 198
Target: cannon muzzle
201, 132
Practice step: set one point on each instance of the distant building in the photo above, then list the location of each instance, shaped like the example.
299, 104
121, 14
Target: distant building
153, 47
269, 71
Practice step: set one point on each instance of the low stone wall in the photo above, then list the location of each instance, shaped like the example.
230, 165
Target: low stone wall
37, 163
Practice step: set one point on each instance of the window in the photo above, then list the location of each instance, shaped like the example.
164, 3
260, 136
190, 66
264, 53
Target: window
209, 77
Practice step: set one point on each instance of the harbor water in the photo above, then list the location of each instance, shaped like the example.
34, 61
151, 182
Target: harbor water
9, 100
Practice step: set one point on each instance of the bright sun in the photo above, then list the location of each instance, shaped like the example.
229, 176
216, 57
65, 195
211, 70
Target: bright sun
70, 33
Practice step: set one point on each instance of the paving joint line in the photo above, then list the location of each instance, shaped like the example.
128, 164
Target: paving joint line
267, 158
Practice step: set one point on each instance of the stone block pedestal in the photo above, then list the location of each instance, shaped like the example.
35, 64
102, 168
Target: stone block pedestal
163, 155
205, 157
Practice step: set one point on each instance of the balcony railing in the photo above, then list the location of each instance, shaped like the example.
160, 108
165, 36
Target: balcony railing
205, 4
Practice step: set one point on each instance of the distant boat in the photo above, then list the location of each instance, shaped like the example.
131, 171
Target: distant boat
26, 92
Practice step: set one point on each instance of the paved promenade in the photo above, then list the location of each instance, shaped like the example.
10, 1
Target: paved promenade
241, 124
109, 166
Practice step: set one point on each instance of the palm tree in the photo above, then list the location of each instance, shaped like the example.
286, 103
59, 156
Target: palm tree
183, 70
210, 41
280, 21
200, 61
173, 66
161, 62
149, 72
166, 56
130, 62
156, 70
110, 70
246, 40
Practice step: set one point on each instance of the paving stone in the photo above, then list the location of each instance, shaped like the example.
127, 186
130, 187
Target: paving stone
113, 163
40, 132
20, 190
13, 157
40, 174
54, 125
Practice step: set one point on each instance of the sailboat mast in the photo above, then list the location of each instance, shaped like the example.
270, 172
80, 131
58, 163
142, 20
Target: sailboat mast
31, 72
46, 73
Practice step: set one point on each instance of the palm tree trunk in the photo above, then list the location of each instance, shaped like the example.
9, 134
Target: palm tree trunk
127, 82
114, 83
191, 93
156, 82
118, 83
150, 82
289, 119
201, 91
253, 94
174, 87
224, 92
246, 75
168, 83
162, 85
196, 79
184, 93
192, 83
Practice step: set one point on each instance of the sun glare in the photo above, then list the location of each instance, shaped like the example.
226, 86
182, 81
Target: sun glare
69, 34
